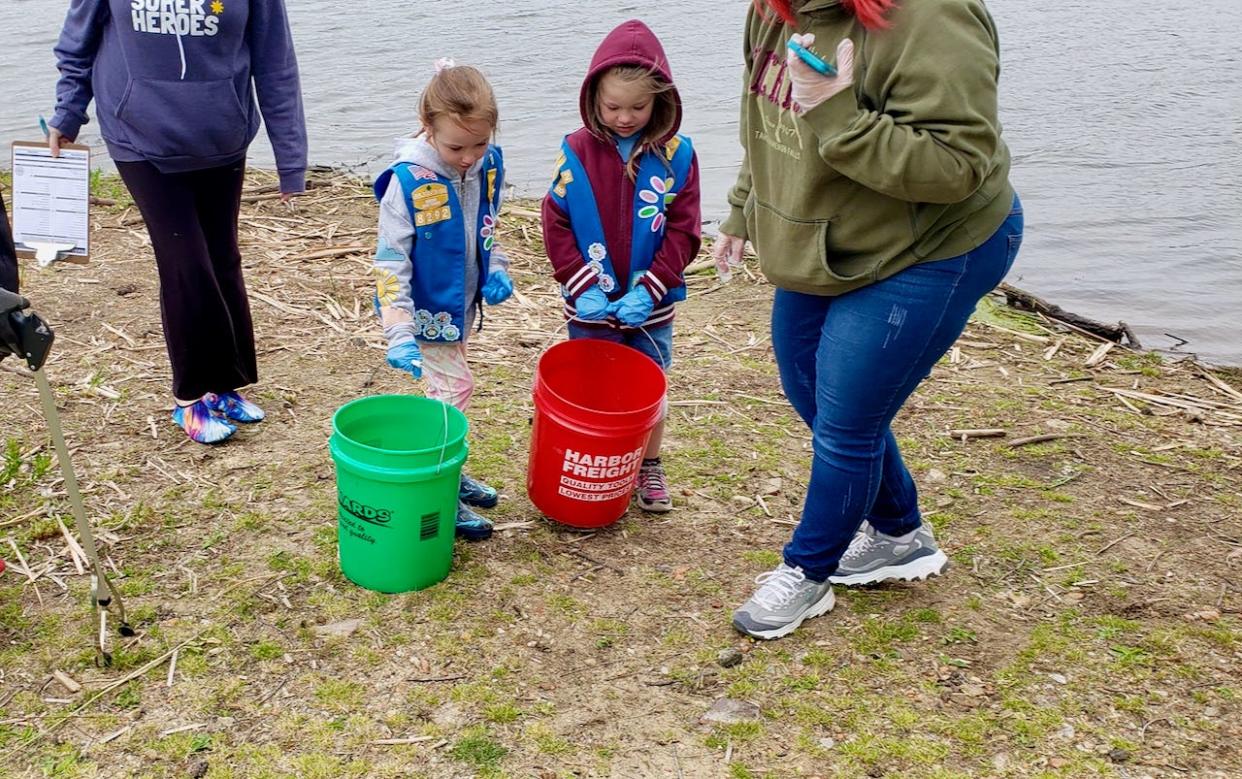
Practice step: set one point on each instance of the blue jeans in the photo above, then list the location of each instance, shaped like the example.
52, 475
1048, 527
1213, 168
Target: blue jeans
659, 346
849, 363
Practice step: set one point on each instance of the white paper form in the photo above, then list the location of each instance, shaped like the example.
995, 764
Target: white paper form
51, 202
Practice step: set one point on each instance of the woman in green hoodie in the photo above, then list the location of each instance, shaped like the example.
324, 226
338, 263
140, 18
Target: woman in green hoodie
875, 190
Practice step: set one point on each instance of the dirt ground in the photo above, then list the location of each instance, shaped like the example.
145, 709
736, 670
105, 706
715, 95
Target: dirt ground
1088, 626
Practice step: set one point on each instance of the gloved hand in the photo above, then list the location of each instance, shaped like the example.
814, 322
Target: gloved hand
497, 288
592, 305
634, 308
810, 87
406, 357
727, 250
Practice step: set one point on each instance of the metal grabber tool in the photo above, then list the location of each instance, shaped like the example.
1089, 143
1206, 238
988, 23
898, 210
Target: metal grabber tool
28, 336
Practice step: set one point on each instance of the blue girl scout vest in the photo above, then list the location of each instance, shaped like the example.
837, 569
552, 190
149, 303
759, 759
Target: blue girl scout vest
659, 179
438, 251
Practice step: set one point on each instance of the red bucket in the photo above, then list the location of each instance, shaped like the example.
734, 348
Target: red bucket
596, 403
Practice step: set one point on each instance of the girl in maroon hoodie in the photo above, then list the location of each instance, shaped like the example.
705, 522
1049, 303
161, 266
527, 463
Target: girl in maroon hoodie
621, 220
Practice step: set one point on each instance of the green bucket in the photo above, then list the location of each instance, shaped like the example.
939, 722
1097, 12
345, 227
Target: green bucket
398, 468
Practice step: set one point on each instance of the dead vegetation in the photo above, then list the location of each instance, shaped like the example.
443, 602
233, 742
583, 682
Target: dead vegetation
1089, 497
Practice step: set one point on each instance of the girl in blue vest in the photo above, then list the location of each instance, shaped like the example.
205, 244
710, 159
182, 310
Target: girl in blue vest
621, 221
437, 259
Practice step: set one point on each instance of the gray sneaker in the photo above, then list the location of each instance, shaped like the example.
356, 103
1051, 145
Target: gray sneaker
874, 557
784, 599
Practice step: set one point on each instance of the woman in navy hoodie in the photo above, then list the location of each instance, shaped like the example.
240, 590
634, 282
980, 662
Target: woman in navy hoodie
175, 84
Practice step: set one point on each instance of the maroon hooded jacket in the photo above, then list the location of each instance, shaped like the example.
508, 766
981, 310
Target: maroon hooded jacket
631, 43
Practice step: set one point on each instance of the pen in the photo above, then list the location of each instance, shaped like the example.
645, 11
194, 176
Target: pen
43, 126
807, 56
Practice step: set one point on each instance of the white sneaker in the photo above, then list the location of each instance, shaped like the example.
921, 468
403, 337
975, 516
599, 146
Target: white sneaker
784, 600
874, 557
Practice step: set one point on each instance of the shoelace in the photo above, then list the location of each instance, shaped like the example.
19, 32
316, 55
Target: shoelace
865, 545
652, 480
778, 587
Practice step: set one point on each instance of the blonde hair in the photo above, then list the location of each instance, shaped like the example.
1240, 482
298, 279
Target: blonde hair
663, 110
460, 93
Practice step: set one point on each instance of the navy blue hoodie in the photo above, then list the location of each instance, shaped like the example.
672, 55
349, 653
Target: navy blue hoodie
175, 81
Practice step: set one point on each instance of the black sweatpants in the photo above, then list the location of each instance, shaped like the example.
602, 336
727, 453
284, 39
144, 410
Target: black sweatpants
192, 220
8, 256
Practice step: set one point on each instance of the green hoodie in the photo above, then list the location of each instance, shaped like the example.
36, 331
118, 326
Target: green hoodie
908, 166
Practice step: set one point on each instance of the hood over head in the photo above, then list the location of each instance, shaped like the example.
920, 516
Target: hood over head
630, 43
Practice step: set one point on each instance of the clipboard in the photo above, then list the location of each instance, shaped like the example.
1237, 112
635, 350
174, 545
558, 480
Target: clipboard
51, 202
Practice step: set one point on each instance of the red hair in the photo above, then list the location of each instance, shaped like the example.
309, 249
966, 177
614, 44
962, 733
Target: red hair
870, 13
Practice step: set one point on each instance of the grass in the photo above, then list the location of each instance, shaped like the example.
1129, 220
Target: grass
1065, 610
479, 749
110, 188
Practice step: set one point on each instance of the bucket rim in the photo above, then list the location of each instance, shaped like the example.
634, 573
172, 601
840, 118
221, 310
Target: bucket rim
343, 459
336, 428
606, 345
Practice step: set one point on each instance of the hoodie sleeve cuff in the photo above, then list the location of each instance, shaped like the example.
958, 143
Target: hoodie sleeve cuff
292, 181
581, 281
68, 124
400, 333
735, 223
656, 288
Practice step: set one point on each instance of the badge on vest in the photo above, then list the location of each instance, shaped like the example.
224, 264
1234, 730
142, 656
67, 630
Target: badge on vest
564, 179
431, 204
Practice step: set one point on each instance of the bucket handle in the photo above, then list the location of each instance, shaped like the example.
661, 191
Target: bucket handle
565, 326
654, 345
444, 441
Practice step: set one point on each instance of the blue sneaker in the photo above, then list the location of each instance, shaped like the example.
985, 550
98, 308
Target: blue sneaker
476, 493
234, 406
201, 424
472, 526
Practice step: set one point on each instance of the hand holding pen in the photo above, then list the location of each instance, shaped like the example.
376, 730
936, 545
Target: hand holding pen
814, 80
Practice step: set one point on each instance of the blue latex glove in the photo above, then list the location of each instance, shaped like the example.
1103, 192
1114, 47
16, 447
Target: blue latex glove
498, 288
406, 357
592, 304
634, 308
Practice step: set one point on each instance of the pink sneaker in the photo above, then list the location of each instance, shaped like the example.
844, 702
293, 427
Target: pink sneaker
653, 488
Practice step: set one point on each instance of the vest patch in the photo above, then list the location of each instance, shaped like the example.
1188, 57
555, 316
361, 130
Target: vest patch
431, 204
430, 196
424, 218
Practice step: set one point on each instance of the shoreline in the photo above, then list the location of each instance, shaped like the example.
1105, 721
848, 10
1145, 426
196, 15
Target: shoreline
107, 191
